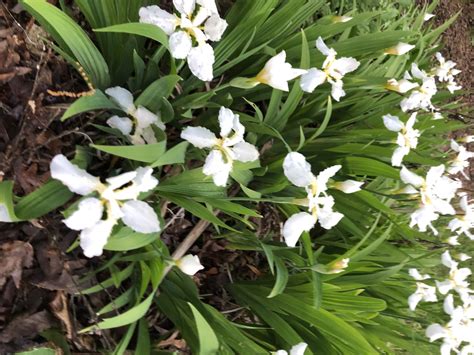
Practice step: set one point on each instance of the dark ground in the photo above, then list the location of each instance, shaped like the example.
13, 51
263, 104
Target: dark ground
37, 277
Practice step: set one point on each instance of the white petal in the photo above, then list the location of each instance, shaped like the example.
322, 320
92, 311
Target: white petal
200, 137
189, 264
298, 349
411, 121
185, 7
337, 91
447, 260
216, 167
245, 152
417, 276
215, 27
158, 17
448, 304
144, 180
398, 155
345, 65
180, 44
209, 5
349, 186
123, 124
88, 213
122, 97
226, 121
146, 118
400, 49
296, 225
139, 216
435, 331
118, 181
413, 300
4, 215
93, 239
76, 179
329, 218
392, 123
410, 178
312, 79
434, 174
297, 169
444, 286
323, 48
200, 61
324, 176
428, 16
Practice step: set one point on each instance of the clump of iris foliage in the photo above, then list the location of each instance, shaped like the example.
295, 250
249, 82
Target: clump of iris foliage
334, 116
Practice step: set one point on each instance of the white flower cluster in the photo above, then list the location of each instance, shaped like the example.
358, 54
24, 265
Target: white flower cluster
457, 334
198, 22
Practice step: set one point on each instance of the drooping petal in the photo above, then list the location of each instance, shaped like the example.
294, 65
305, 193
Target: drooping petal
312, 79
245, 152
398, 155
185, 7
217, 167
180, 44
88, 213
298, 349
336, 90
411, 121
296, 225
411, 178
297, 169
392, 123
447, 260
76, 179
345, 65
123, 124
118, 181
189, 264
200, 137
200, 61
413, 300
328, 218
139, 216
214, 28
448, 304
93, 239
417, 276
323, 48
226, 121
435, 332
122, 97
158, 17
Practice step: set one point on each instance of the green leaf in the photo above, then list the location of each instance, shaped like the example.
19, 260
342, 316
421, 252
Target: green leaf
208, 343
38, 351
127, 239
72, 39
175, 155
281, 278
146, 153
142, 29
128, 317
160, 88
98, 101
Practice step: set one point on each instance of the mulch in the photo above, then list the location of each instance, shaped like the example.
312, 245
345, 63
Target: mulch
38, 279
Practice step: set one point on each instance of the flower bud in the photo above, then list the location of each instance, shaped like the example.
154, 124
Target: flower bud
189, 264
348, 186
400, 49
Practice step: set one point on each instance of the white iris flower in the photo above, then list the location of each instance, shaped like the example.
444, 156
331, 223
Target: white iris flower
445, 72
332, 71
461, 162
401, 86
197, 23
465, 222
407, 138
420, 98
436, 192
117, 198
231, 146
142, 119
457, 279
319, 203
